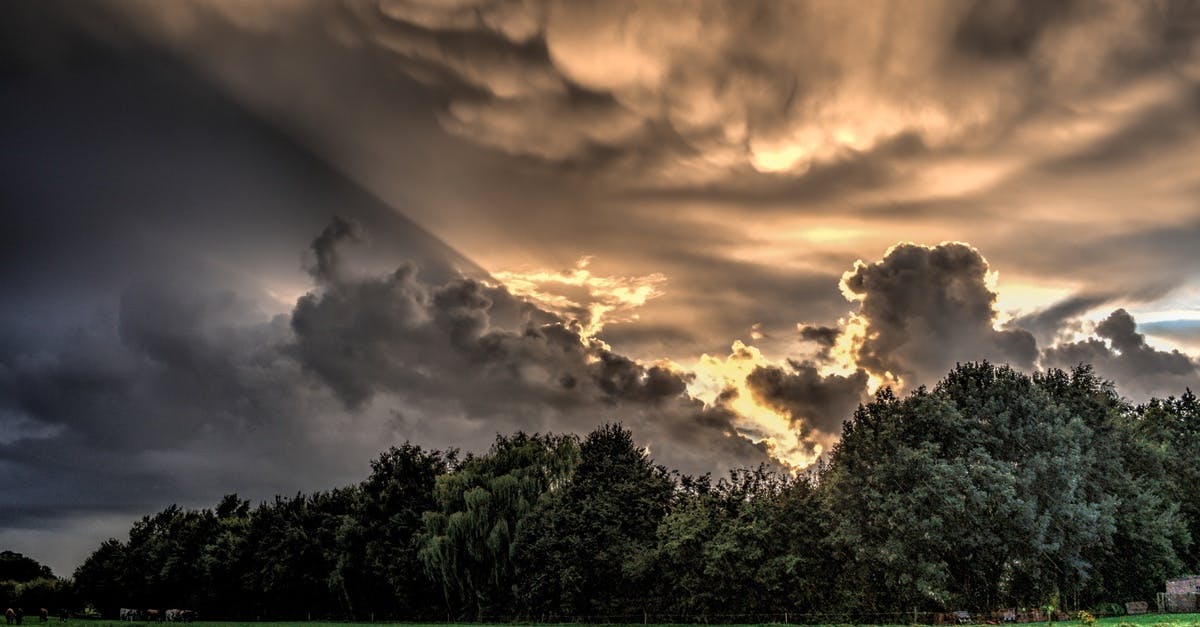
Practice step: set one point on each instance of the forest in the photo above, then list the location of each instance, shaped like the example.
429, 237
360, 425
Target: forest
992, 489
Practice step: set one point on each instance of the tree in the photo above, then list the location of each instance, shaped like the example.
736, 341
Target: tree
378, 569
573, 554
17, 567
100, 579
467, 541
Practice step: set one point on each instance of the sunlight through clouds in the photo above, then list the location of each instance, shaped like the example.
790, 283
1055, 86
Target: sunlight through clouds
587, 300
722, 381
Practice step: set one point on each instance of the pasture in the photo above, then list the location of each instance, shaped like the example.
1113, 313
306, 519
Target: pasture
1151, 619
1147, 620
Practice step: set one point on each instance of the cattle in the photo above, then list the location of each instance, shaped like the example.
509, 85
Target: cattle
154, 616
10, 616
43, 615
180, 616
130, 614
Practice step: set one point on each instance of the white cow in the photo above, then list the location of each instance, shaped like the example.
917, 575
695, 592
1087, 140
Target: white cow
180, 616
129, 614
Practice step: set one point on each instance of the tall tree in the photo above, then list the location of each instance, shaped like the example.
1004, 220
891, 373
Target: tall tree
378, 570
467, 541
573, 554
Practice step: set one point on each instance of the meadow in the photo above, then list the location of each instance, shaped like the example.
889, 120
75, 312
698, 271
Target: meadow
1147, 620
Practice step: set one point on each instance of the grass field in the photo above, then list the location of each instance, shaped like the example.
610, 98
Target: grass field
1153, 619
1144, 619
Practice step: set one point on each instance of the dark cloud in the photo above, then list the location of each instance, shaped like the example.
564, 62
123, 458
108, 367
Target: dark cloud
1007, 29
926, 308
714, 92
823, 337
181, 393
438, 346
151, 267
1046, 324
1122, 355
812, 400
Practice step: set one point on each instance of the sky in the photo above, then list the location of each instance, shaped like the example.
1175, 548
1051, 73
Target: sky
250, 245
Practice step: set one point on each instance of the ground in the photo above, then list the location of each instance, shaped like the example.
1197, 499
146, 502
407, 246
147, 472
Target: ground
1148, 620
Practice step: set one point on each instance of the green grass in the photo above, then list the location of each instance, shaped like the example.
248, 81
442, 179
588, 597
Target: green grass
1112, 621
1152, 619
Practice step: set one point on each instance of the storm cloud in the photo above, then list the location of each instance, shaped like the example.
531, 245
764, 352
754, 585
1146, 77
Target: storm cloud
812, 400
1121, 354
890, 122
1049, 323
924, 308
438, 345
181, 393
679, 93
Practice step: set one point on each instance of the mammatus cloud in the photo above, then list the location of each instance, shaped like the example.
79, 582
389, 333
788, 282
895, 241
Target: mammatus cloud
1121, 354
693, 92
683, 92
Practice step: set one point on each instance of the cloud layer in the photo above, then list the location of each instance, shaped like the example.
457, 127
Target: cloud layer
689, 92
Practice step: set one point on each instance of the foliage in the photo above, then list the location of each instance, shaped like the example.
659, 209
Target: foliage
991, 489
19, 568
467, 543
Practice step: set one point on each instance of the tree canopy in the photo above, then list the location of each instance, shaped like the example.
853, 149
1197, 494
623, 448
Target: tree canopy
992, 489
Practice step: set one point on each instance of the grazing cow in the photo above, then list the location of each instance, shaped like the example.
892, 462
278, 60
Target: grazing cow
180, 616
154, 616
43, 615
10, 616
130, 614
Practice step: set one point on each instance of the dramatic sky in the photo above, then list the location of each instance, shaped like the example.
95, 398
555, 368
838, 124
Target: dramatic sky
249, 244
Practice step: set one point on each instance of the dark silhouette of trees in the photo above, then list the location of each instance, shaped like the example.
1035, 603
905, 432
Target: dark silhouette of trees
991, 489
26, 583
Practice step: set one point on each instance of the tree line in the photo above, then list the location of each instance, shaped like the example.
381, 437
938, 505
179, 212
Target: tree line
26, 584
991, 489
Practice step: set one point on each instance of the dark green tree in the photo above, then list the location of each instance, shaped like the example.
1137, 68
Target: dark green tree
573, 555
467, 541
378, 571
17, 567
